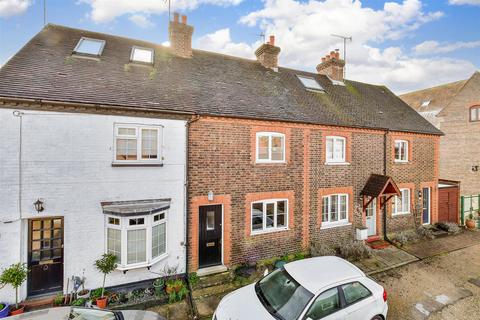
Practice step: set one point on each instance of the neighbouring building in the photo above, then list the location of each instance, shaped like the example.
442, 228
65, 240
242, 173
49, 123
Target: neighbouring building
106, 132
454, 108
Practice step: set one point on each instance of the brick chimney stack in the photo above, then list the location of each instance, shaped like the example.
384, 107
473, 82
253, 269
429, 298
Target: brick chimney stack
332, 66
180, 36
267, 54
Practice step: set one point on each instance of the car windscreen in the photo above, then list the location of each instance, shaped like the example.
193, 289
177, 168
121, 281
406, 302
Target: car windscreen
282, 296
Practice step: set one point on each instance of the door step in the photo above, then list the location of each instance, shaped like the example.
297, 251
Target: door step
39, 302
373, 238
211, 270
378, 244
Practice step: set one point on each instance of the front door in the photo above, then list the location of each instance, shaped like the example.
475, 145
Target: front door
426, 206
210, 236
371, 214
45, 255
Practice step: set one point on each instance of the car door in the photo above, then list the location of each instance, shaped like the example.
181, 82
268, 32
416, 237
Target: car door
326, 306
358, 300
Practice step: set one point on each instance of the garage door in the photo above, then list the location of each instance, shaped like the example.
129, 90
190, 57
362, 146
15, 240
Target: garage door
448, 204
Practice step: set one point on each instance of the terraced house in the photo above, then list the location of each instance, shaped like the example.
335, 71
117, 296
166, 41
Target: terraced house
103, 132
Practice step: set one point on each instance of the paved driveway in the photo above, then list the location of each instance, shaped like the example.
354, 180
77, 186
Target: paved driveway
436, 287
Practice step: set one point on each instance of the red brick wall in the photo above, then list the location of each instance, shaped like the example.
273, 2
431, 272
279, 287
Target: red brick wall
222, 160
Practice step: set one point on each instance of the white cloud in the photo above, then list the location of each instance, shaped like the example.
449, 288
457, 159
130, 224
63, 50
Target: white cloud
220, 41
107, 10
461, 2
10, 8
141, 20
435, 47
304, 29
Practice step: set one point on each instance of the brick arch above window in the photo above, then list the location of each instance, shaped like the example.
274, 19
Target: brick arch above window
474, 113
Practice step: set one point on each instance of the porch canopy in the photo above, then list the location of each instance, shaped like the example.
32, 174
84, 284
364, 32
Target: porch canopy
379, 186
135, 207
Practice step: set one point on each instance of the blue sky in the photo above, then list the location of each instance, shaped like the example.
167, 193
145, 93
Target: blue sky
405, 44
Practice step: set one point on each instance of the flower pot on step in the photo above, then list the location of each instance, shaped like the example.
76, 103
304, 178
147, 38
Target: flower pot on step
470, 223
14, 311
4, 310
102, 302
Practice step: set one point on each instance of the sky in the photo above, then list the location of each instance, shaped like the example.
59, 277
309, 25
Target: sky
404, 44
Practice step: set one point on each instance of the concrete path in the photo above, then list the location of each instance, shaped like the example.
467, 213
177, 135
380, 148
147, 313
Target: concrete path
385, 259
430, 248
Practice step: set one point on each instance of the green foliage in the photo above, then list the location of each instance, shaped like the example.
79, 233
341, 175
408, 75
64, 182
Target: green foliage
14, 275
58, 300
79, 302
175, 296
300, 256
95, 294
193, 278
159, 285
106, 264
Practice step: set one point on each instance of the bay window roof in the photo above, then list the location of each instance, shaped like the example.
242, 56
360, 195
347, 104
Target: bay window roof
136, 207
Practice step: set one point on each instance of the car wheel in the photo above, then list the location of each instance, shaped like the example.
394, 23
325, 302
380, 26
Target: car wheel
377, 317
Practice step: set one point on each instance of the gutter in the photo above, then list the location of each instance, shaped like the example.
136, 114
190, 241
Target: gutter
384, 222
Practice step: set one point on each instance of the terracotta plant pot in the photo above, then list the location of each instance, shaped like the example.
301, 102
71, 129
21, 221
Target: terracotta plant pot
102, 302
14, 311
470, 224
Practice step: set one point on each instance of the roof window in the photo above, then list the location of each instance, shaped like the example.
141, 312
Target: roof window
144, 55
310, 83
90, 46
336, 82
425, 103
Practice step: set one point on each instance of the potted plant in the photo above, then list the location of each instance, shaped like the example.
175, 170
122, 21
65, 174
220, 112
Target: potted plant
159, 285
15, 275
4, 309
105, 265
470, 222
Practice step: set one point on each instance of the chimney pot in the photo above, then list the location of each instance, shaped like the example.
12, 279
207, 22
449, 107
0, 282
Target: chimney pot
180, 36
175, 16
332, 66
324, 59
184, 19
327, 57
272, 40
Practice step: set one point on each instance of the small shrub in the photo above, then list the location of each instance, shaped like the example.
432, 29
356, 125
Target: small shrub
355, 251
300, 256
449, 227
321, 249
79, 302
425, 233
58, 300
193, 278
404, 237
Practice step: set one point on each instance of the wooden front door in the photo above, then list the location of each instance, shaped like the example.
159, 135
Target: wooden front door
45, 255
448, 199
210, 236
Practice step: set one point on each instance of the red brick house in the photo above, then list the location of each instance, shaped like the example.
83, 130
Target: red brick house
277, 158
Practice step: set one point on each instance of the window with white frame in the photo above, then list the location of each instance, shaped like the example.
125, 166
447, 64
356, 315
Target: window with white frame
270, 147
138, 143
137, 241
475, 113
269, 215
335, 149
89, 46
401, 205
144, 55
335, 209
401, 151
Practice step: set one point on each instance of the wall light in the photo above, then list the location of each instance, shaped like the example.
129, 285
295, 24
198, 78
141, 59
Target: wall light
39, 205
210, 196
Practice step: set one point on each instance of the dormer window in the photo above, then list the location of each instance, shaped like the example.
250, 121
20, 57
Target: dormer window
310, 83
90, 46
142, 55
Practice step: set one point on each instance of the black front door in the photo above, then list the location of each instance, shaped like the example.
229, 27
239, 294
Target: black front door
45, 255
210, 236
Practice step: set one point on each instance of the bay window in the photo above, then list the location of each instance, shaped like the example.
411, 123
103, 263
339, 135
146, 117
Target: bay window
334, 209
137, 144
269, 215
401, 205
137, 241
270, 147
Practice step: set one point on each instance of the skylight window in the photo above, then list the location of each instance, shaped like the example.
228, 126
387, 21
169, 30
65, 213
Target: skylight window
425, 103
90, 46
144, 55
310, 83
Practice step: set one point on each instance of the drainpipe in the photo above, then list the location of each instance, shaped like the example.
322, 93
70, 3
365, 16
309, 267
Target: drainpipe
187, 212
385, 136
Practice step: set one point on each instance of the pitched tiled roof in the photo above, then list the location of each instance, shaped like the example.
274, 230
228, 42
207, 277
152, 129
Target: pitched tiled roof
206, 84
379, 184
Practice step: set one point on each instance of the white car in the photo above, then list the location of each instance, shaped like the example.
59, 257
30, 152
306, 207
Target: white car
73, 313
327, 288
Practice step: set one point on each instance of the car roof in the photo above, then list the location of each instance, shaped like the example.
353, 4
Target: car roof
317, 273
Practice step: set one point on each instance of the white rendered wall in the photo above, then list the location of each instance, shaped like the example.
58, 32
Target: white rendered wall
66, 160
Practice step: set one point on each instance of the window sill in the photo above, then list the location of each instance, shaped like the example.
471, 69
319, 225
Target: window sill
142, 265
137, 164
401, 162
326, 225
337, 163
270, 162
401, 214
256, 233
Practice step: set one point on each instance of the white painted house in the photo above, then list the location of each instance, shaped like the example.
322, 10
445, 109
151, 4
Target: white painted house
88, 170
